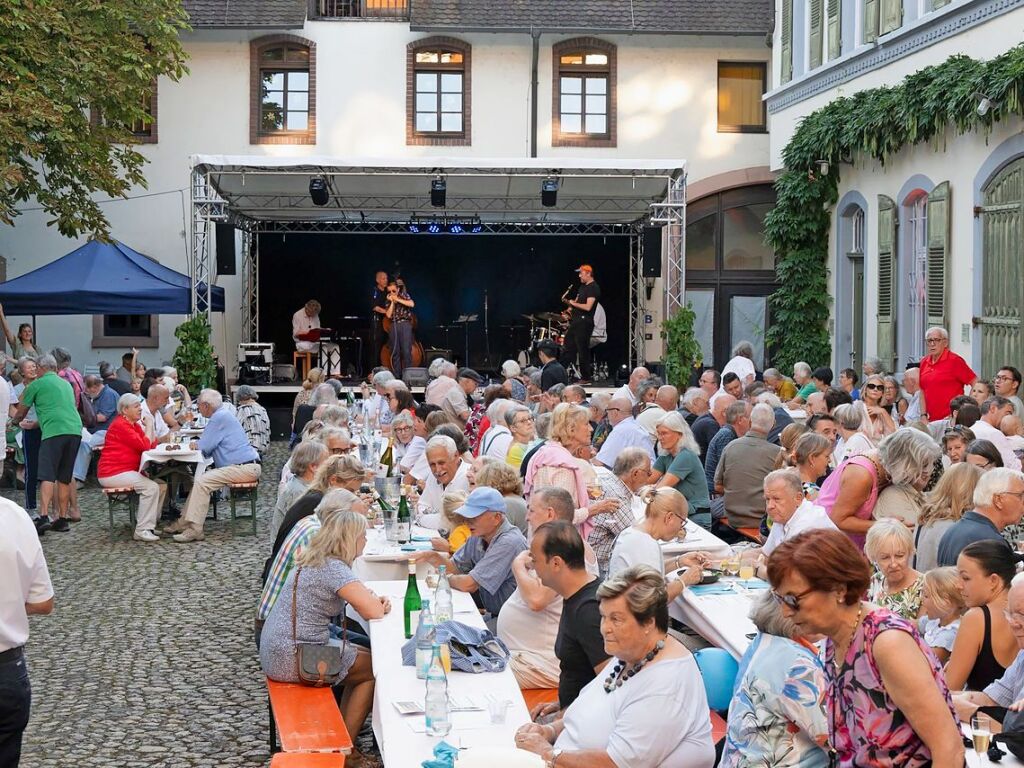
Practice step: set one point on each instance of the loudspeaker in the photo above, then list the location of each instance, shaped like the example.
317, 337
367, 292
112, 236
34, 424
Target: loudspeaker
225, 249
652, 252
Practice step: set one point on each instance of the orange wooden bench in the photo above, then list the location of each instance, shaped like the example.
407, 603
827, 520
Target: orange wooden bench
718, 727
307, 719
752, 533
308, 760
535, 696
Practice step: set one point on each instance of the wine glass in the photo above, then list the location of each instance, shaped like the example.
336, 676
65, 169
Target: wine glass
594, 489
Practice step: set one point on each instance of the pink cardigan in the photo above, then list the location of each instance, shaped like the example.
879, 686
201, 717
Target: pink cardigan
554, 454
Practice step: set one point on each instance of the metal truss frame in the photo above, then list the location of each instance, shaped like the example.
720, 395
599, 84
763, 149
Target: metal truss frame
672, 215
402, 228
251, 297
637, 299
207, 207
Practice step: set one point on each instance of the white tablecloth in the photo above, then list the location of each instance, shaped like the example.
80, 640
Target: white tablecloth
400, 746
697, 540
973, 759
384, 561
160, 455
719, 619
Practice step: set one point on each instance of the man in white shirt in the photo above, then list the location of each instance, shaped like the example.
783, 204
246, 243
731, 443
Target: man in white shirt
625, 433
25, 589
987, 428
629, 390
912, 386
447, 473
789, 511
306, 320
154, 423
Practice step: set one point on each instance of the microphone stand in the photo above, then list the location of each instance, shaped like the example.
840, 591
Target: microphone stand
487, 331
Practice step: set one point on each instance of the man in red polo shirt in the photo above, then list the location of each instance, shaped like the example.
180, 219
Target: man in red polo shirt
944, 374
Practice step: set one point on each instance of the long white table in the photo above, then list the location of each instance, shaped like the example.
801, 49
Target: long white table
385, 561
721, 619
697, 540
400, 745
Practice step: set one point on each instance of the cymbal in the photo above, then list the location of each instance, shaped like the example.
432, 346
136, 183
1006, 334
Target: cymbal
531, 318
552, 317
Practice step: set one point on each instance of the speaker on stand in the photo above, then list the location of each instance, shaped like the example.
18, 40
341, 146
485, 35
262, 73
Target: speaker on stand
225, 238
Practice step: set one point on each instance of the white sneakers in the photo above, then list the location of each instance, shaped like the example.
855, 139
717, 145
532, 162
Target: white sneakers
145, 536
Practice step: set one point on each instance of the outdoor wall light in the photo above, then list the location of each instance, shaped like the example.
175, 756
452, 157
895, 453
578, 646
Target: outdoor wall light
984, 103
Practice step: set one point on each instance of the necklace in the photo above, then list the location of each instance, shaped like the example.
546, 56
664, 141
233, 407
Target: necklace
838, 658
620, 674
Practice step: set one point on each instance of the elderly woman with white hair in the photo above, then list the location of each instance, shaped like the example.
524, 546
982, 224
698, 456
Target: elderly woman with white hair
909, 456
304, 462
522, 425
496, 441
777, 716
120, 461
407, 445
377, 406
849, 419
679, 466
513, 383
895, 584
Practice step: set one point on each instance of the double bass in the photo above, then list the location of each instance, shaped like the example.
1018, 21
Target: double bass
417, 348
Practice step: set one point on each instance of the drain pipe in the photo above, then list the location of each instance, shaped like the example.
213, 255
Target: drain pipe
534, 85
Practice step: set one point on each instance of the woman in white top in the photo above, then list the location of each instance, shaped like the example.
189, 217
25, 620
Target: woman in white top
647, 709
850, 418
664, 516
879, 422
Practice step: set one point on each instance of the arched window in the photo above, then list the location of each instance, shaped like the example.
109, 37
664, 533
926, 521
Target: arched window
283, 99
437, 99
584, 93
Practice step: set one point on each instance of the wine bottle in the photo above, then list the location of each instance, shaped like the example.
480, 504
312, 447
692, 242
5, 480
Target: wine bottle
403, 522
387, 461
413, 603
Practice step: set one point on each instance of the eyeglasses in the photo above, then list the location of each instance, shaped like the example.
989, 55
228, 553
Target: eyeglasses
791, 601
874, 386
935, 340
682, 518
1000, 377
406, 428
1018, 494
524, 420
617, 410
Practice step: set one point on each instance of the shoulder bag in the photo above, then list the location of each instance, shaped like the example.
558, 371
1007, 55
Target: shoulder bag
316, 664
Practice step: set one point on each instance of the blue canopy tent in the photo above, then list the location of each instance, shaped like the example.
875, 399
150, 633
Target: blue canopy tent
102, 279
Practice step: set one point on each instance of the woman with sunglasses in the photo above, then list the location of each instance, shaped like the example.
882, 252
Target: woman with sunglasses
879, 422
887, 703
984, 645
664, 517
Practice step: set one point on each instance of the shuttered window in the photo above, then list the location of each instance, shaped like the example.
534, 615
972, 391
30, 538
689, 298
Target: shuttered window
870, 20
815, 8
937, 299
890, 16
835, 29
787, 41
886, 261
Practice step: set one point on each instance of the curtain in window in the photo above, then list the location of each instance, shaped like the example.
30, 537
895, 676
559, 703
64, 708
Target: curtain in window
740, 87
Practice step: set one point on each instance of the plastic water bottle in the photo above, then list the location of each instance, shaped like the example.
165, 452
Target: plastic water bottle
439, 720
443, 597
425, 638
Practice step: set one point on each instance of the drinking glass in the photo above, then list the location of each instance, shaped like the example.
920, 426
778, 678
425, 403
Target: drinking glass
731, 564
497, 709
594, 490
981, 733
746, 571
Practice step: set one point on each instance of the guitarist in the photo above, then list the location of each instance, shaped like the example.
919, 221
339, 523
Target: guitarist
581, 323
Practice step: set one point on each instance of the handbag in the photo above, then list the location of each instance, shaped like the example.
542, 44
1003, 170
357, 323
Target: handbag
471, 649
316, 664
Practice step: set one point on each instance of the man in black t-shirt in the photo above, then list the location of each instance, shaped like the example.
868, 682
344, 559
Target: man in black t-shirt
581, 322
558, 557
378, 308
551, 372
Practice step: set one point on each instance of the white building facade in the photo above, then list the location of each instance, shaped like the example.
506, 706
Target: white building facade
286, 79
935, 236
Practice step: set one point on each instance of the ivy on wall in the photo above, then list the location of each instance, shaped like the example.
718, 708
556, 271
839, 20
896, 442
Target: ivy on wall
878, 123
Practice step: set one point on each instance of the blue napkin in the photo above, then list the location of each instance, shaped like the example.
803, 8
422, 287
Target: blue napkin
422, 538
753, 584
416, 546
444, 756
712, 589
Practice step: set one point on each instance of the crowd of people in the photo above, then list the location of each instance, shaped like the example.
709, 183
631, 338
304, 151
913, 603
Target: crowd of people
884, 512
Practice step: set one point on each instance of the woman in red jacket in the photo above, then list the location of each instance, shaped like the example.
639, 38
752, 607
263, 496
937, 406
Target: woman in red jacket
120, 462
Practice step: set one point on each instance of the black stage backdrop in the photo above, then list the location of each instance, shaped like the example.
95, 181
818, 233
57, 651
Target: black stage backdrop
446, 275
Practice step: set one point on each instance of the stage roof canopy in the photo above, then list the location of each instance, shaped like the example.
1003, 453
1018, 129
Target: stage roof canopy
499, 190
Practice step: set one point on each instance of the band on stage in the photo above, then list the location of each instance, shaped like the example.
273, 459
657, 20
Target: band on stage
392, 341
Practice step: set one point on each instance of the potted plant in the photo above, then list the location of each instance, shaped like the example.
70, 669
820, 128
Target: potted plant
194, 357
682, 350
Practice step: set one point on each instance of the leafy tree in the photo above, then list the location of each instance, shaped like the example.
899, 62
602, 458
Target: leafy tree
58, 59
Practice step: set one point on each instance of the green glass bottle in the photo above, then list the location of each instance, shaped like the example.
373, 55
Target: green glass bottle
413, 604
403, 521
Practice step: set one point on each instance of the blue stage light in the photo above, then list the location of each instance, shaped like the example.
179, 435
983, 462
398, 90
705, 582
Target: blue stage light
433, 227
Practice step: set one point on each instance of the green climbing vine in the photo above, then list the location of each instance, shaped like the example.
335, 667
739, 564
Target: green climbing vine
877, 123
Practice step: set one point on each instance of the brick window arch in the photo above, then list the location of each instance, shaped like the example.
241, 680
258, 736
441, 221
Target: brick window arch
583, 93
282, 96
438, 92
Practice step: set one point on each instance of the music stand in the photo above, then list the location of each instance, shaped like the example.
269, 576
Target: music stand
465, 320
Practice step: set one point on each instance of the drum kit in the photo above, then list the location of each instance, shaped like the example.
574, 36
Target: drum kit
544, 326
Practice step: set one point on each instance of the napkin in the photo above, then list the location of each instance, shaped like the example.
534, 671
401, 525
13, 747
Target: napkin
416, 546
444, 756
753, 584
711, 589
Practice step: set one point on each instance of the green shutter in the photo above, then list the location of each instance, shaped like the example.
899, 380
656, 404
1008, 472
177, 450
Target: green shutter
891, 16
835, 33
937, 300
816, 29
939, 3
886, 344
870, 20
787, 40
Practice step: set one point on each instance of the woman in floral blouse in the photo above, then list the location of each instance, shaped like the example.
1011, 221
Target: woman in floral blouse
777, 715
895, 584
887, 703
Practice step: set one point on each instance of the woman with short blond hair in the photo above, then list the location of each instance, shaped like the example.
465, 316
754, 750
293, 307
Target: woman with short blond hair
895, 584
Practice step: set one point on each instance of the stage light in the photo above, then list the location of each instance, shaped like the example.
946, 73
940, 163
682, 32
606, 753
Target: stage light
434, 227
413, 227
438, 192
456, 228
318, 191
549, 192
477, 227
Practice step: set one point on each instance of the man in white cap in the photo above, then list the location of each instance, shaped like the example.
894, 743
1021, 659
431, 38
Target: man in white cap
483, 565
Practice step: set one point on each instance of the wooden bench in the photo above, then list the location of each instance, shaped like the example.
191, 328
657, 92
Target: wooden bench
308, 760
306, 719
718, 727
240, 492
125, 499
754, 534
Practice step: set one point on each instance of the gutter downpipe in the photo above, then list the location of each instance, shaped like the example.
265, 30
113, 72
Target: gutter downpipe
534, 86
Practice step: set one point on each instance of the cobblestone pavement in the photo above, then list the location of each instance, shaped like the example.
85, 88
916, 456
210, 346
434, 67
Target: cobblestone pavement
148, 657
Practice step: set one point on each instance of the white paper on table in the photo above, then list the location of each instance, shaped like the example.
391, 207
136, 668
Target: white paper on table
461, 721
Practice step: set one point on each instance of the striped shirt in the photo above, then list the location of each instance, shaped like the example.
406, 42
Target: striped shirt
294, 544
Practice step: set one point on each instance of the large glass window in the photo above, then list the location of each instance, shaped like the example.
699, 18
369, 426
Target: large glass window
284, 82
438, 99
740, 88
584, 93
743, 245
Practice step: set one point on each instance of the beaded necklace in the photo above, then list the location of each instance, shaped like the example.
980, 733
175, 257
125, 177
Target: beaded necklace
620, 674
